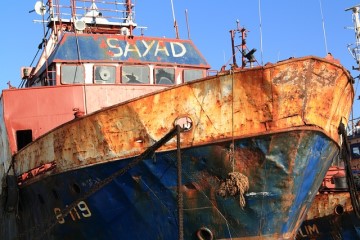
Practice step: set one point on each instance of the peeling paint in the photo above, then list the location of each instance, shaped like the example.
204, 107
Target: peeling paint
256, 129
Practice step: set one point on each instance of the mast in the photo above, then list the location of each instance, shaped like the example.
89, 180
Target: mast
246, 56
175, 23
355, 51
232, 33
129, 16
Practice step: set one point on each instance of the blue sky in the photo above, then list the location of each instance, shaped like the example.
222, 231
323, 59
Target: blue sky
290, 28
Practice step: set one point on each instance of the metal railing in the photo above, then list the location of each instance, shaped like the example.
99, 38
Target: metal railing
111, 11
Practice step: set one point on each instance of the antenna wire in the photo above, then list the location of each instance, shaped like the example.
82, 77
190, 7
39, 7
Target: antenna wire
261, 45
175, 23
323, 26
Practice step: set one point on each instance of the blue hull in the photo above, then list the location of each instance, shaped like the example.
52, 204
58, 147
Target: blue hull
284, 171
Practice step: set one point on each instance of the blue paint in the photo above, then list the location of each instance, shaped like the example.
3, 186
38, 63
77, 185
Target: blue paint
142, 203
311, 170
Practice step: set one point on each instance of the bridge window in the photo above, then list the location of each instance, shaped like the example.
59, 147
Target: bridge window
192, 74
135, 74
23, 138
164, 76
72, 74
51, 76
104, 74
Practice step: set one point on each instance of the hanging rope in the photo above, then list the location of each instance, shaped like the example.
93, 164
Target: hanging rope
235, 183
232, 145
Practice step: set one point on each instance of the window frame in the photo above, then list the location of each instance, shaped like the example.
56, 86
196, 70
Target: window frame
104, 65
138, 81
69, 65
165, 67
192, 69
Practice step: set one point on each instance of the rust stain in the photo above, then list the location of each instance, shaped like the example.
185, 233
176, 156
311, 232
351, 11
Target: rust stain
103, 44
274, 98
325, 204
110, 53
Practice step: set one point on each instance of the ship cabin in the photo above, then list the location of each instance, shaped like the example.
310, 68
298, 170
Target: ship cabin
89, 63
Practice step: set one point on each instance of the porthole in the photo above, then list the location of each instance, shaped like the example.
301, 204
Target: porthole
339, 209
204, 234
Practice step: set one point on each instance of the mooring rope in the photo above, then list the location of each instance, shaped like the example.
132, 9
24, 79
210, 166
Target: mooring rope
232, 145
235, 183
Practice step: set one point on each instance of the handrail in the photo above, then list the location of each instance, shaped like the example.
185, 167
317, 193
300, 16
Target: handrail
112, 11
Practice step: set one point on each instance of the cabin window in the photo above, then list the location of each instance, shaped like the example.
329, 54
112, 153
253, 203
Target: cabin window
192, 74
165, 76
135, 74
23, 138
72, 74
104, 74
51, 78
355, 151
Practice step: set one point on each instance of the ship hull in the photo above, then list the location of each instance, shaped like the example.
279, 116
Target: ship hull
255, 147
142, 203
346, 226
331, 216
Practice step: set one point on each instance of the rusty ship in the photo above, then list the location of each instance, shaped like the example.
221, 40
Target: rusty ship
117, 136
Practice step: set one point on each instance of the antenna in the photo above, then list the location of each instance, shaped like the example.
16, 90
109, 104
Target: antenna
355, 51
142, 30
261, 34
323, 26
39, 8
246, 56
129, 16
187, 23
175, 23
79, 25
